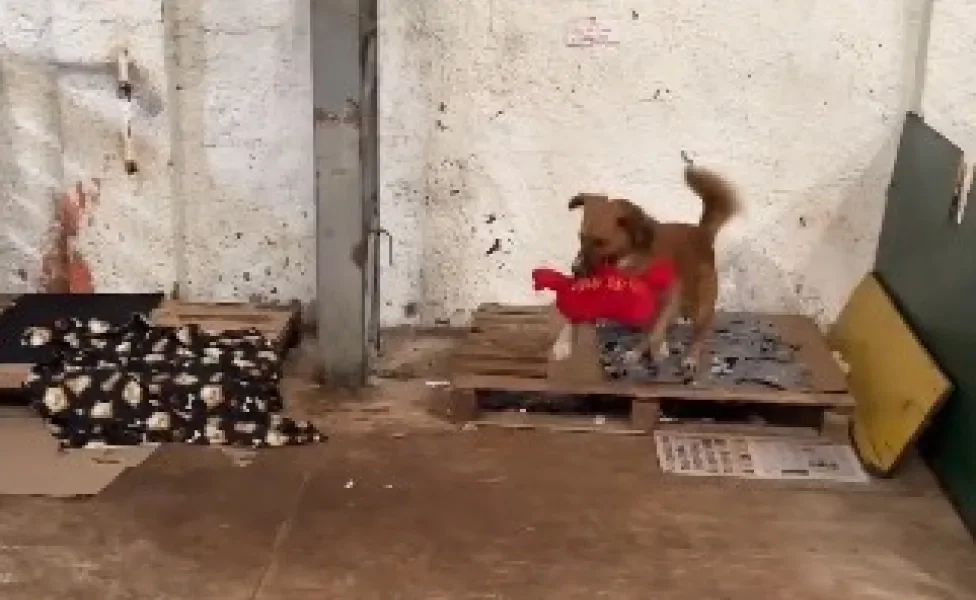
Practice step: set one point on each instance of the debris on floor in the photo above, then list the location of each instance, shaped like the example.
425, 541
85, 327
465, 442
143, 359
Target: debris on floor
240, 457
139, 383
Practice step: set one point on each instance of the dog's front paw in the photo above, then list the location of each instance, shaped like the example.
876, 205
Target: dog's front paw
660, 352
561, 349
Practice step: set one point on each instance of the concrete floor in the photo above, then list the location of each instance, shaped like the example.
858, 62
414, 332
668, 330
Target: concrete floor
397, 506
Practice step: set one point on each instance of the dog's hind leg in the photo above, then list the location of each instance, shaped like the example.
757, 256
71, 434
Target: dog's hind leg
702, 315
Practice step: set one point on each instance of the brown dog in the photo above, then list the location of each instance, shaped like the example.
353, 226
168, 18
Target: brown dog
620, 233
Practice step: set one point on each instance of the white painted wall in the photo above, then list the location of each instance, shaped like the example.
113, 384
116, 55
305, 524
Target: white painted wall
488, 122
949, 101
486, 112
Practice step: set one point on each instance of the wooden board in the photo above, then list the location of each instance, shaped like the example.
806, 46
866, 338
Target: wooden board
507, 350
645, 391
13, 376
508, 340
897, 385
558, 423
277, 323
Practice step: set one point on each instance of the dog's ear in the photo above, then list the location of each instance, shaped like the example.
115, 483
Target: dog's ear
639, 226
582, 198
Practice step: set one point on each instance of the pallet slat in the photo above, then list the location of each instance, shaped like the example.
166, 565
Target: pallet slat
492, 369
663, 391
276, 323
560, 423
526, 350
13, 376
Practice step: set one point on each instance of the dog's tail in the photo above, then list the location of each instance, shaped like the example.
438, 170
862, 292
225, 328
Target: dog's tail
719, 198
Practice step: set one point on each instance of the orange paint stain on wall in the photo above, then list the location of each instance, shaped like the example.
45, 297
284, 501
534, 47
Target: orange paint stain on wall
63, 268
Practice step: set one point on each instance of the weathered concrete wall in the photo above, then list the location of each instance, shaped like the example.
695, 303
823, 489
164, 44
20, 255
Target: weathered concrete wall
949, 100
223, 200
488, 123
30, 163
245, 99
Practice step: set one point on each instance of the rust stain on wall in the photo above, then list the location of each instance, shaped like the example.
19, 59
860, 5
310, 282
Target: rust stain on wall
63, 268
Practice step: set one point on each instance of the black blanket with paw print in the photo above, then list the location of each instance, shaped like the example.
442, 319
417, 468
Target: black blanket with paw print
138, 383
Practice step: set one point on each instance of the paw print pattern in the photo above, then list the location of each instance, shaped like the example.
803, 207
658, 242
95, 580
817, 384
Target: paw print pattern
139, 383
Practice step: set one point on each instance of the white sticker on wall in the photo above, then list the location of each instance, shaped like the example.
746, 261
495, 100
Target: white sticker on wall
584, 33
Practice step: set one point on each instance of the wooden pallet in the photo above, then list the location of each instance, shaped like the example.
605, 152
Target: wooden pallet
279, 324
507, 350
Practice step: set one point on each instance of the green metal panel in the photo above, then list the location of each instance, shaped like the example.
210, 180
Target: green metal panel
927, 262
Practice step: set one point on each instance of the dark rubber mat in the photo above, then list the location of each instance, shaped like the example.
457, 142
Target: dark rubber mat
742, 350
43, 309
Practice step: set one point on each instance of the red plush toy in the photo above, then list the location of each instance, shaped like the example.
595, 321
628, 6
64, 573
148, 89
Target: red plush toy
608, 294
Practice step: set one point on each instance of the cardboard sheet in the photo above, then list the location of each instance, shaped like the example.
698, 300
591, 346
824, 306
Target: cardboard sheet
31, 463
